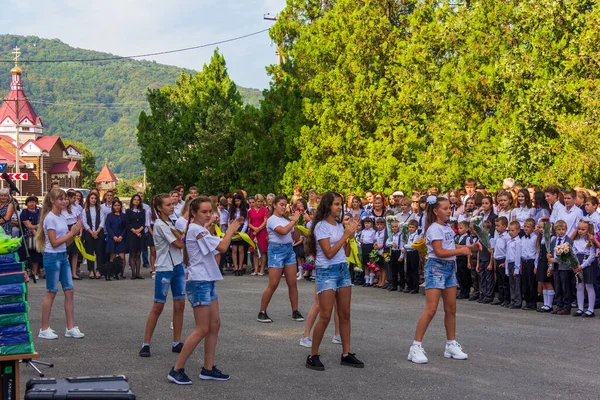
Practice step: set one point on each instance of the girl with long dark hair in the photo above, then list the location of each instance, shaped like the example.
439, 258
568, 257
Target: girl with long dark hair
238, 209
136, 222
93, 233
334, 285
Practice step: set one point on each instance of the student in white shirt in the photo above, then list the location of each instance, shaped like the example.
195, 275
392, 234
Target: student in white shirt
571, 214
52, 240
199, 255
281, 258
440, 279
529, 264
328, 241
585, 250
170, 273
107, 200
552, 194
72, 214
523, 210
93, 233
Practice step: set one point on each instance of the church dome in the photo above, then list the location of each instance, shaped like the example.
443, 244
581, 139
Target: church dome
16, 70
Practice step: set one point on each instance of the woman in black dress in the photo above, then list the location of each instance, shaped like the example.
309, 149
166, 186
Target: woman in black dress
136, 221
30, 218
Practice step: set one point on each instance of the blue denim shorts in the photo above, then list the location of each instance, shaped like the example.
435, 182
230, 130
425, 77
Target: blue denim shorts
57, 268
201, 293
174, 279
332, 277
440, 274
280, 255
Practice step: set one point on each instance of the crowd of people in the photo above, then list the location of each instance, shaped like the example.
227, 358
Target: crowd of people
504, 248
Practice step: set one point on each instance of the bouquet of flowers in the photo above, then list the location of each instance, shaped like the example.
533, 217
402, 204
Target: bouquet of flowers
387, 257
566, 257
404, 231
481, 232
420, 245
256, 247
373, 262
309, 263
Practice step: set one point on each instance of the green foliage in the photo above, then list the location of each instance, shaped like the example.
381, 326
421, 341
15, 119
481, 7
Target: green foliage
189, 136
125, 190
418, 93
109, 131
88, 163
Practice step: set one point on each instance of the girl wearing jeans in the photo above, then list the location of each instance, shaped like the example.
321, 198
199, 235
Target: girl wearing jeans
52, 240
334, 285
199, 255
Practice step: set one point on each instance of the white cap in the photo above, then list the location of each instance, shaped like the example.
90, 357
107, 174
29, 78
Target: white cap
398, 193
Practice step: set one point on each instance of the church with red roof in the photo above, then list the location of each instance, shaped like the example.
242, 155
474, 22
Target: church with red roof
45, 159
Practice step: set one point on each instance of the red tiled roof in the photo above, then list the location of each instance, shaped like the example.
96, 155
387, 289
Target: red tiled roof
46, 143
8, 157
8, 109
106, 175
63, 167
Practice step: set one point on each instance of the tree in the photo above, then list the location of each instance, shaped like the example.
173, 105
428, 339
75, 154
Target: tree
189, 136
88, 163
124, 189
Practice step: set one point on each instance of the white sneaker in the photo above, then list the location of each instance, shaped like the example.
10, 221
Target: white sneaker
417, 354
298, 277
74, 333
47, 334
306, 342
336, 339
37, 278
455, 351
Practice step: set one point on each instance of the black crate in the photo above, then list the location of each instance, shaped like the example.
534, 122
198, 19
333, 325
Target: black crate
113, 387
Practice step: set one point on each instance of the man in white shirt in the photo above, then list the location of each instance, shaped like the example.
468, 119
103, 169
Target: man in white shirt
570, 213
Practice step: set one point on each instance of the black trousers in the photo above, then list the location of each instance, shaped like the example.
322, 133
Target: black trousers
411, 262
502, 284
564, 295
475, 280
94, 247
486, 280
463, 274
528, 282
397, 270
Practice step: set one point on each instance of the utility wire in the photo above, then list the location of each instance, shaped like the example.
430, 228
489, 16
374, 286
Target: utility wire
140, 55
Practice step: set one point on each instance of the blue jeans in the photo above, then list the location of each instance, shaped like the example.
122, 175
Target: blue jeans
440, 274
57, 268
201, 293
280, 255
332, 277
174, 279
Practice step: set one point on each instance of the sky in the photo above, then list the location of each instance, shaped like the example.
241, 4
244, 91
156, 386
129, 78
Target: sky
129, 27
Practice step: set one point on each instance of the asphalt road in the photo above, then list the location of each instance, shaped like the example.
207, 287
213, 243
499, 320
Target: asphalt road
512, 353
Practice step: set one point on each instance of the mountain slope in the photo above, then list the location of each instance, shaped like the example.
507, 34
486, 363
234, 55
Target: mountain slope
109, 131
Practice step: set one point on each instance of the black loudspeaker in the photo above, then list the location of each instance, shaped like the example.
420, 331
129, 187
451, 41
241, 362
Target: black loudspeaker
111, 387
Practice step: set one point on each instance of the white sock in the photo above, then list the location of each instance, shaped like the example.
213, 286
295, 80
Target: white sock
145, 344
300, 270
545, 294
580, 296
175, 343
415, 343
550, 297
591, 296
450, 342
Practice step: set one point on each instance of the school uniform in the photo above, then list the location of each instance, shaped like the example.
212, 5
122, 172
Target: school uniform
563, 276
462, 270
398, 279
93, 219
367, 238
513, 270
529, 262
557, 208
571, 217
502, 283
411, 262
542, 265
486, 277
587, 256
474, 274
492, 218
71, 217
540, 213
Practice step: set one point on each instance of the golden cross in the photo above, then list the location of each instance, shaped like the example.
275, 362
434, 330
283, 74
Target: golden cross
17, 53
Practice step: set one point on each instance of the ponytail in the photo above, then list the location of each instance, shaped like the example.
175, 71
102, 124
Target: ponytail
40, 236
433, 203
156, 203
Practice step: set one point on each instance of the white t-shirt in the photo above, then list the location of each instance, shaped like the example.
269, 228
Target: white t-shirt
324, 230
202, 248
443, 233
181, 224
522, 214
274, 237
59, 225
71, 217
167, 255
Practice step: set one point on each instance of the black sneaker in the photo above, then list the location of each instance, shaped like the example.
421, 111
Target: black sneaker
263, 317
351, 361
145, 351
313, 362
177, 348
214, 374
296, 316
179, 377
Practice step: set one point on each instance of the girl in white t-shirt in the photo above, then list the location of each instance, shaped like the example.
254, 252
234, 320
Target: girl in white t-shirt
281, 258
170, 273
53, 240
334, 285
203, 272
440, 278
